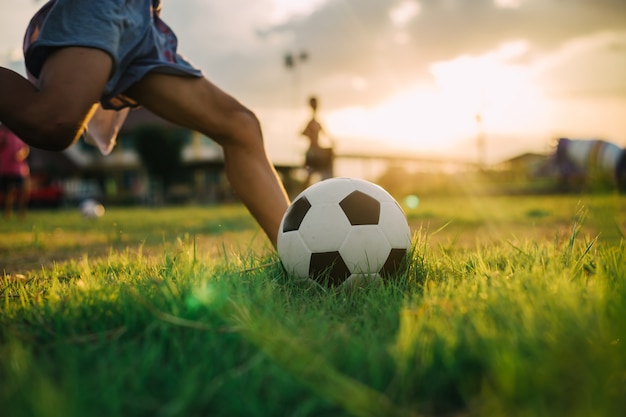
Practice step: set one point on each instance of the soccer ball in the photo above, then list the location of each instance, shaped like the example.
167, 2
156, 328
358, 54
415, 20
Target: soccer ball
91, 209
343, 231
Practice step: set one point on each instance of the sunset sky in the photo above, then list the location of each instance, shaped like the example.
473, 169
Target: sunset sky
406, 74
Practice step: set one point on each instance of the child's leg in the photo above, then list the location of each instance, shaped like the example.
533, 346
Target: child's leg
24, 197
9, 200
199, 105
52, 115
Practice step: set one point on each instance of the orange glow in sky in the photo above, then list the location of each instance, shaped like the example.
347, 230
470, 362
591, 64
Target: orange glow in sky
442, 113
405, 74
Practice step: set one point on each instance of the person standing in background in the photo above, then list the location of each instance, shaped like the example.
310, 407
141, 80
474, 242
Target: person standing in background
318, 159
14, 172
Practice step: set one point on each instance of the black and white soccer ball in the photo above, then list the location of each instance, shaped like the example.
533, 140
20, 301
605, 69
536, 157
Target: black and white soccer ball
343, 231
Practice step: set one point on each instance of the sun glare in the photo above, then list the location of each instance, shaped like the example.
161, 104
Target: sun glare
419, 117
437, 116
483, 81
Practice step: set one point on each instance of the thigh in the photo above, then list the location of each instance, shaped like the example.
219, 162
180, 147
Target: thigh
192, 102
72, 81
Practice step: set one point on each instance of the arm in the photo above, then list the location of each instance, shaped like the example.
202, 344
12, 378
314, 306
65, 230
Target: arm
22, 153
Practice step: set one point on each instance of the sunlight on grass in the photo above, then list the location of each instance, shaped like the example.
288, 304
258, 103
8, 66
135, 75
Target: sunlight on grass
517, 314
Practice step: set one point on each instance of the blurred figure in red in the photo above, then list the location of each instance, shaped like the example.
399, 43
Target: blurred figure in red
318, 159
14, 172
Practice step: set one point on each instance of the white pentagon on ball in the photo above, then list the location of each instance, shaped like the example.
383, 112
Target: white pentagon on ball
343, 230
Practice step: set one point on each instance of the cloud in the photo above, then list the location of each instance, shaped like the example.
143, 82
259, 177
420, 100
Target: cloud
283, 10
404, 12
362, 52
588, 66
349, 39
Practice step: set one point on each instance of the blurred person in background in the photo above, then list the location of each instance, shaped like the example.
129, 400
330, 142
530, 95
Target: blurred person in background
318, 159
590, 161
14, 172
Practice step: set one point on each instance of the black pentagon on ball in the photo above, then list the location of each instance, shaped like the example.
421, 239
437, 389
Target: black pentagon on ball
360, 208
328, 268
295, 214
395, 261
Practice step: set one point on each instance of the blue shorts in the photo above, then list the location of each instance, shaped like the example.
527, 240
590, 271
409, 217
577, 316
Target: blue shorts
130, 31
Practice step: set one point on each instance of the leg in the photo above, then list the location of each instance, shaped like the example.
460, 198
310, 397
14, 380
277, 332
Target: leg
23, 197
307, 180
52, 115
9, 200
199, 105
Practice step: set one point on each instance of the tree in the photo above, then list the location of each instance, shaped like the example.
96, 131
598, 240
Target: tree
160, 150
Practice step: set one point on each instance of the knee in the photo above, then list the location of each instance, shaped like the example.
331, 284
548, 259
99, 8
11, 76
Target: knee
244, 129
52, 134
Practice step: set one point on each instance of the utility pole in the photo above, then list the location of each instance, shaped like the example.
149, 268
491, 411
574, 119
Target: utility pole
481, 142
293, 62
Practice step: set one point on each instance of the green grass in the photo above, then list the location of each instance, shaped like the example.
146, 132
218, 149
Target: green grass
512, 306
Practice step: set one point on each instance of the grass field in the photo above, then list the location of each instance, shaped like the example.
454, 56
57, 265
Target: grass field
512, 306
